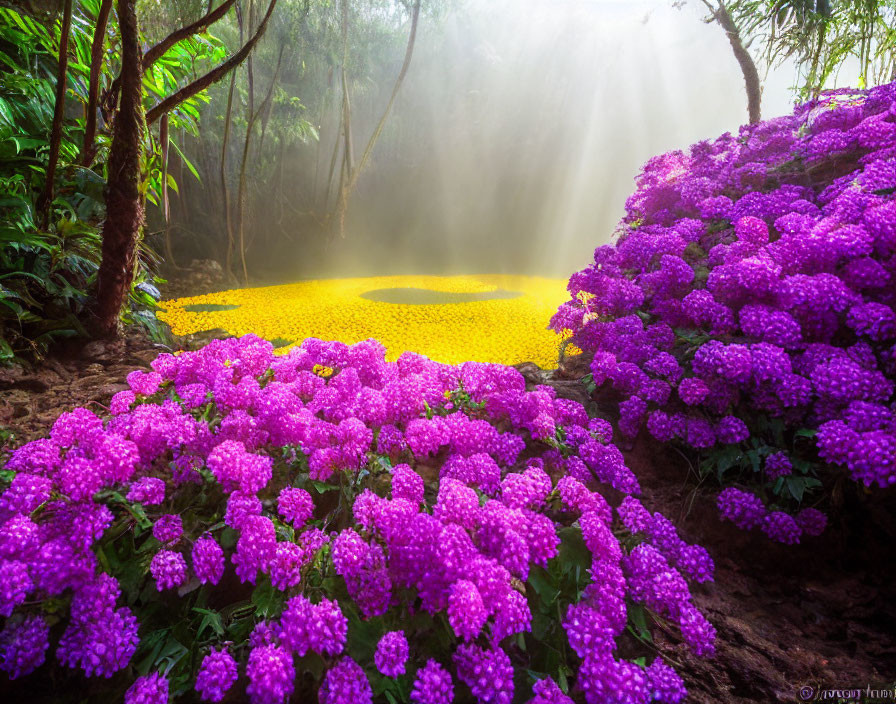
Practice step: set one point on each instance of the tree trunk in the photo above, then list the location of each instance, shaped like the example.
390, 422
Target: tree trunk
241, 193
329, 185
268, 105
814, 80
251, 119
225, 190
124, 207
45, 199
744, 60
353, 173
93, 91
346, 102
241, 182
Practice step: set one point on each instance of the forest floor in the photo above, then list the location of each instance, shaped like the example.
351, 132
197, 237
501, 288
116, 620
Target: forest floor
820, 615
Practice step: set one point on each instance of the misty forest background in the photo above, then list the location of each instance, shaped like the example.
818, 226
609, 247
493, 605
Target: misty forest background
290, 139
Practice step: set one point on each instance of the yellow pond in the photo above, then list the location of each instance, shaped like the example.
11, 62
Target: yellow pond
459, 325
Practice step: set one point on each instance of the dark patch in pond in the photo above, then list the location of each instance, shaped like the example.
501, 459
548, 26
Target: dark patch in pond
425, 296
209, 307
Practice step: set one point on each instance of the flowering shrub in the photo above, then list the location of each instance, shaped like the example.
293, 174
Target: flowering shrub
404, 531
748, 308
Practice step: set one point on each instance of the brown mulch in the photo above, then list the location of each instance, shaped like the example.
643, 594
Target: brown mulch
82, 375
820, 615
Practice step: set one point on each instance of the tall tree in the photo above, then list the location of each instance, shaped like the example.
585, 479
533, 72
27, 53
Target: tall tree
124, 203
722, 16
820, 37
353, 171
252, 117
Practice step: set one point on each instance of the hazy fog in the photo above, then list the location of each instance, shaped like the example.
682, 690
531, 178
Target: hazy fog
521, 127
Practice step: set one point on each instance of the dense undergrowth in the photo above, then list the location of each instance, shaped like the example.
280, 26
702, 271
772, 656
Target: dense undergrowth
406, 531
49, 256
748, 309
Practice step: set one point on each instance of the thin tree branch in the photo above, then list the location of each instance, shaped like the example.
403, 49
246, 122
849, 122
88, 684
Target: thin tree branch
45, 199
93, 91
264, 110
346, 101
225, 191
251, 119
154, 53
745, 61
352, 181
368, 150
213, 76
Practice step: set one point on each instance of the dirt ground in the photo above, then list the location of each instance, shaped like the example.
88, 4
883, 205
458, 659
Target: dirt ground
821, 615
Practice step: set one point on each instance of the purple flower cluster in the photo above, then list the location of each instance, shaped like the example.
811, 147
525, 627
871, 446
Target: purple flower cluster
321, 628
692, 560
488, 673
99, 638
169, 569
345, 683
151, 689
546, 691
168, 529
391, 654
271, 675
433, 685
253, 432
753, 281
216, 675
23, 645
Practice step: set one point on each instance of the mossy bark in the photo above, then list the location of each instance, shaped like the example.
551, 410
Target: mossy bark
124, 204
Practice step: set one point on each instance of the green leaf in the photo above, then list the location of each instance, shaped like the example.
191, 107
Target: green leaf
637, 618
187, 162
796, 486
172, 653
322, 486
268, 599
152, 643
6, 112
313, 664
543, 584
562, 681
210, 619
573, 552
363, 636
754, 458
588, 381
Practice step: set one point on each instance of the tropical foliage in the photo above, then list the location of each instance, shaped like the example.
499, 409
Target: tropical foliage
49, 260
823, 36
